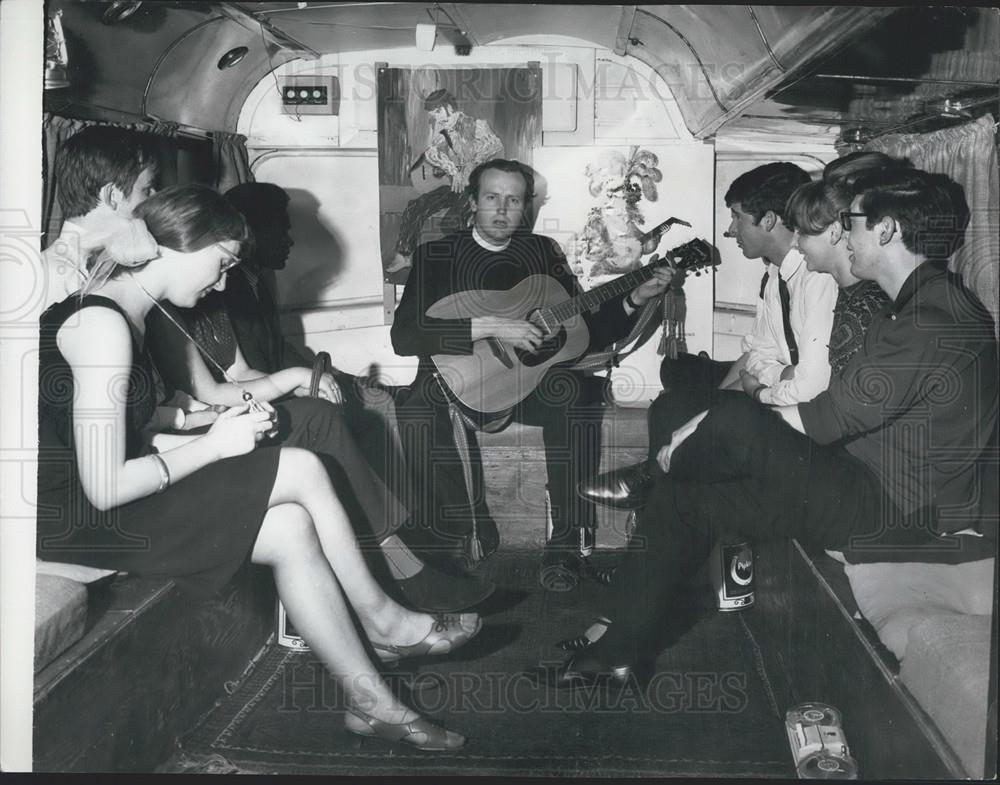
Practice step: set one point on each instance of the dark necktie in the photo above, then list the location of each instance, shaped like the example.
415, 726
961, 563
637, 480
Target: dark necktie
786, 323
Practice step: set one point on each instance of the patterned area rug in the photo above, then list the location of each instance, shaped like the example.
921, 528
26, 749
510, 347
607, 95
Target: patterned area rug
708, 711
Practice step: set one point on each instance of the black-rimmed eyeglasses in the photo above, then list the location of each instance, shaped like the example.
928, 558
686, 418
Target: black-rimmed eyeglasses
846, 216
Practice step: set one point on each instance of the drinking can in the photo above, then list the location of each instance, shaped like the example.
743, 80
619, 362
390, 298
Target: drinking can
819, 747
731, 566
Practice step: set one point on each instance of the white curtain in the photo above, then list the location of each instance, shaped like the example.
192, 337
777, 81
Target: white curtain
968, 154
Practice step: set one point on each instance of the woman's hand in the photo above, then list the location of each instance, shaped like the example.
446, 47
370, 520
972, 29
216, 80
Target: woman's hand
329, 390
237, 430
201, 417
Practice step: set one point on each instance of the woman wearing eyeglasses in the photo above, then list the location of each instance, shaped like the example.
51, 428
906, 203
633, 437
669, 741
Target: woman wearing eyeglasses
195, 508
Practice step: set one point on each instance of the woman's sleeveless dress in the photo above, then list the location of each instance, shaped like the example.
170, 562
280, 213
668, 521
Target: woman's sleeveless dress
199, 531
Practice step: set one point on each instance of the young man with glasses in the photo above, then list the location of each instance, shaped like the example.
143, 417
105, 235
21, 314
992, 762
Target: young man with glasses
886, 465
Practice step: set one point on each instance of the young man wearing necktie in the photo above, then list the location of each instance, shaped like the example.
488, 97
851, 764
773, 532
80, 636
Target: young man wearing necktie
895, 461
785, 356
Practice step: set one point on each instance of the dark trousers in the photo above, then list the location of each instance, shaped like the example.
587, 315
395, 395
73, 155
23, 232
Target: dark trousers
569, 408
321, 427
690, 385
743, 472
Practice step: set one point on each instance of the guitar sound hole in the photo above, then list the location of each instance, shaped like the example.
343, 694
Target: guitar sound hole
546, 349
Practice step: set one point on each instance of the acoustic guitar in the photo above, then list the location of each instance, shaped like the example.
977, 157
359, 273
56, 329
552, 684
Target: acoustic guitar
495, 377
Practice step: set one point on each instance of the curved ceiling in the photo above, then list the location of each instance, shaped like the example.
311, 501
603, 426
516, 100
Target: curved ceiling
722, 62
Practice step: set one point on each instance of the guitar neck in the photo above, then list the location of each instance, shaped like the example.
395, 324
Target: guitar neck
599, 295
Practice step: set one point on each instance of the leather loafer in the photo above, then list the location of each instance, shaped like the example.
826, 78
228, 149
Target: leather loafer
626, 488
433, 591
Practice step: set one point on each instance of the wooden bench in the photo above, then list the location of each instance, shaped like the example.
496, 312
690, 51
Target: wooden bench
514, 466
149, 665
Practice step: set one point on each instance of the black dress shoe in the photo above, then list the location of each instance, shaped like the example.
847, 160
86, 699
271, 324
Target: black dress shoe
583, 670
626, 488
433, 591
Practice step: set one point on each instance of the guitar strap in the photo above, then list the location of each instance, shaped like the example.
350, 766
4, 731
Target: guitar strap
641, 332
459, 422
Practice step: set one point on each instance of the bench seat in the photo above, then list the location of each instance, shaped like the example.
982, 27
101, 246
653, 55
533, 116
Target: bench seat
149, 664
947, 669
514, 466
60, 616
935, 619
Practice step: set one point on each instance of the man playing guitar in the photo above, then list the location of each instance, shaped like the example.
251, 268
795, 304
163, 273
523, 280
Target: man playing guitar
497, 253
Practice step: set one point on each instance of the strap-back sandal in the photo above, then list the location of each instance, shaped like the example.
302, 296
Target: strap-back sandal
591, 634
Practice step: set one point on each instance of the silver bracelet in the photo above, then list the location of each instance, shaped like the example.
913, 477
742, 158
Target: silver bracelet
161, 465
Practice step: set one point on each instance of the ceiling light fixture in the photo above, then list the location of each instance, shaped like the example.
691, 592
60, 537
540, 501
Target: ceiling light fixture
119, 10
233, 57
426, 36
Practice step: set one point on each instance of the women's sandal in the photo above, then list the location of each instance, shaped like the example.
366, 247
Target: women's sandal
446, 634
591, 634
435, 738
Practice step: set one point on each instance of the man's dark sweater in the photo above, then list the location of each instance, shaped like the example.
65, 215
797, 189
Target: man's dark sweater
570, 420
458, 263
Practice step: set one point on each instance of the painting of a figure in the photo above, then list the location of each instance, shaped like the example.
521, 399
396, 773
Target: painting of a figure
611, 238
435, 127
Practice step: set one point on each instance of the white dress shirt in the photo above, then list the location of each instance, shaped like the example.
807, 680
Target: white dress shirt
812, 297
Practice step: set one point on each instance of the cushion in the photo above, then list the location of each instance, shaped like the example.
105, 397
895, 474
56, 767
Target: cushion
77, 572
896, 596
60, 616
947, 669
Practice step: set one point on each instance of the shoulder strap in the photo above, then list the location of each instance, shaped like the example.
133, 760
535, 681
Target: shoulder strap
73, 304
641, 332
